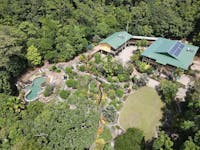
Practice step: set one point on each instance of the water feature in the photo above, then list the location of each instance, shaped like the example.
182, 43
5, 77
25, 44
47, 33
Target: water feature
34, 89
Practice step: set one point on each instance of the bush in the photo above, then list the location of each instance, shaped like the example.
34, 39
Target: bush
143, 67
140, 81
82, 68
106, 135
97, 58
68, 70
132, 139
119, 93
48, 90
109, 113
94, 88
123, 77
64, 94
72, 83
136, 56
53, 68
107, 147
111, 94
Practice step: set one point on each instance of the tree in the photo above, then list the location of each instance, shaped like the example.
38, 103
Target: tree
132, 139
190, 145
33, 56
5, 84
168, 90
163, 142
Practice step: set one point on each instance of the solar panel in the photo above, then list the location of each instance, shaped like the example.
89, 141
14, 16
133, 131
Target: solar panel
176, 49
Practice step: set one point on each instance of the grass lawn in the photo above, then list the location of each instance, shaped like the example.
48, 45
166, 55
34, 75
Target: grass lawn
142, 110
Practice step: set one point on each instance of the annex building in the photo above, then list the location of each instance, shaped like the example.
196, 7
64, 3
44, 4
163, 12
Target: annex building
168, 54
118, 41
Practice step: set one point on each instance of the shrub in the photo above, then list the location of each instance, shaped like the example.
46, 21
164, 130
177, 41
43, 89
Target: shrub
106, 135
72, 83
82, 68
97, 57
140, 81
123, 77
109, 113
111, 94
132, 139
94, 88
143, 67
68, 70
82, 58
53, 68
119, 93
107, 147
136, 56
64, 94
48, 90
58, 70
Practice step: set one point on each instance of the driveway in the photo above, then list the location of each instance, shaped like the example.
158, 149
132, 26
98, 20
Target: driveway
125, 55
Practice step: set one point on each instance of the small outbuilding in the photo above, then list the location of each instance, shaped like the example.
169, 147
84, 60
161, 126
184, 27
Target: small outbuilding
116, 42
168, 54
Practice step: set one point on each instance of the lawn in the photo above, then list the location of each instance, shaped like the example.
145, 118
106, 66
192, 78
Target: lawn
142, 110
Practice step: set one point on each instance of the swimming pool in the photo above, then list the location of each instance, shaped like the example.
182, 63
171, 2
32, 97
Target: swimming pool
34, 89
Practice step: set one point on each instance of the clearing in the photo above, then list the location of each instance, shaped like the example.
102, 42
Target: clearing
142, 110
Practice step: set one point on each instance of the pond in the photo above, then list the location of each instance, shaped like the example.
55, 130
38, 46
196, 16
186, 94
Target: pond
34, 89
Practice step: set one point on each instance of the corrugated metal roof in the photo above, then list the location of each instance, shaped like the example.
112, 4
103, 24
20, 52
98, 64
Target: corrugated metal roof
117, 39
145, 38
159, 51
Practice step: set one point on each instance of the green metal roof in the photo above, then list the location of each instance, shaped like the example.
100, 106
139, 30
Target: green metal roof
159, 51
117, 39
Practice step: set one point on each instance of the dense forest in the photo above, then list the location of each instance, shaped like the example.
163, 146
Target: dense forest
35, 31
61, 29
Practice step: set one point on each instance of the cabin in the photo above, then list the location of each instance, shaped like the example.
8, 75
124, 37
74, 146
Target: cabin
167, 55
118, 41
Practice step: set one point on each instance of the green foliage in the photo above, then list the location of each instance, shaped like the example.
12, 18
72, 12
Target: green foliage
132, 139
64, 94
106, 135
109, 113
190, 145
143, 67
97, 58
33, 56
5, 85
163, 142
72, 83
140, 81
82, 68
119, 93
107, 147
168, 90
68, 70
136, 56
48, 90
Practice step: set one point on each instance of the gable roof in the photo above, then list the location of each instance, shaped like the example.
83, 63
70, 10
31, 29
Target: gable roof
161, 52
117, 39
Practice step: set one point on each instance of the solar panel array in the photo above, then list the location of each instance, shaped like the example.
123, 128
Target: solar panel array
176, 49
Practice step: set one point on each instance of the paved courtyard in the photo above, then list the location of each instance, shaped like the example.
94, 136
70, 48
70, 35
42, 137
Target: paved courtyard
125, 55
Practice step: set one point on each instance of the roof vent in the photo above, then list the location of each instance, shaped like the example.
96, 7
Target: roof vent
189, 49
121, 36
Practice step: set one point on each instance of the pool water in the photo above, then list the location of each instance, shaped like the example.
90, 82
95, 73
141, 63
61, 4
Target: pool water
35, 88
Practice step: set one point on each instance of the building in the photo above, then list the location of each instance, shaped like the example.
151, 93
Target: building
116, 42
168, 55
